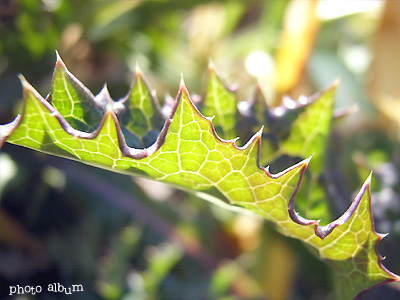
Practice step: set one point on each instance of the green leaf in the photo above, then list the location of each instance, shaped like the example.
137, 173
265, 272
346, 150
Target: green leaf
220, 101
190, 155
357, 266
310, 131
74, 101
299, 129
140, 114
309, 135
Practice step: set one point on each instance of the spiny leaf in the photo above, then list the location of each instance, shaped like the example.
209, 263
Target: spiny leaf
74, 101
221, 102
189, 154
357, 266
310, 130
299, 129
83, 111
308, 135
140, 113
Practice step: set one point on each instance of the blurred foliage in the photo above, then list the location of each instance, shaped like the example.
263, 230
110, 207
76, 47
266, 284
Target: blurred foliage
129, 242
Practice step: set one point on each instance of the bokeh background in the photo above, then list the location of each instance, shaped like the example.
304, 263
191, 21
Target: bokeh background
125, 238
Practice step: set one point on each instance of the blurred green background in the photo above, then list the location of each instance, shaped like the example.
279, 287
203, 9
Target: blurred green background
124, 238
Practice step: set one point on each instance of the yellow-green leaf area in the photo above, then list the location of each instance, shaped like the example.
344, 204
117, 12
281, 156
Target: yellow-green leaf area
171, 142
189, 180
275, 207
251, 168
187, 113
213, 171
165, 163
165, 167
189, 164
239, 195
215, 156
72, 101
200, 149
208, 140
224, 166
238, 162
91, 146
27, 134
194, 155
255, 180
71, 145
234, 180
189, 155
266, 191
226, 150
190, 132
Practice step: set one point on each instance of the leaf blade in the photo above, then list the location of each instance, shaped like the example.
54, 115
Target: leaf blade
221, 102
189, 154
73, 100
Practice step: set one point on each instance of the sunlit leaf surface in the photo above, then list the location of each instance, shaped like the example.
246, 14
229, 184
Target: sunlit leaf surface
189, 154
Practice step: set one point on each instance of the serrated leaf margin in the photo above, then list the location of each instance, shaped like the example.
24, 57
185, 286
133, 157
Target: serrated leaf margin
321, 231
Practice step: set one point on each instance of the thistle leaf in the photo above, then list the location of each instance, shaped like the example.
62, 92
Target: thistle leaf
190, 155
74, 101
139, 114
220, 101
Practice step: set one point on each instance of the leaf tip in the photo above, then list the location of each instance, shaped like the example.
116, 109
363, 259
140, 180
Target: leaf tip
260, 131
27, 87
58, 57
59, 62
233, 141
138, 71
7, 129
306, 162
182, 86
23, 80
367, 182
256, 138
382, 236
103, 98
